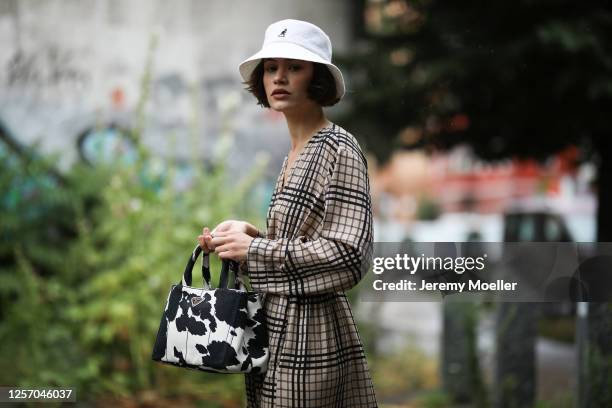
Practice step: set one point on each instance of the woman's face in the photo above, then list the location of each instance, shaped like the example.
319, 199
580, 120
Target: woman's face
286, 83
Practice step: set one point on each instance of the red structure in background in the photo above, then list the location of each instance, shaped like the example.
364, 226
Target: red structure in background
459, 182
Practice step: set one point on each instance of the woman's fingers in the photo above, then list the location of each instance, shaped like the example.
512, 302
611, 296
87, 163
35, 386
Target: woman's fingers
226, 255
209, 242
232, 245
222, 242
205, 240
203, 243
225, 251
219, 238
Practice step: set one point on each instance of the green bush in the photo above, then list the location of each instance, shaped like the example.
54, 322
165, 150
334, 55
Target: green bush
88, 258
81, 309
427, 209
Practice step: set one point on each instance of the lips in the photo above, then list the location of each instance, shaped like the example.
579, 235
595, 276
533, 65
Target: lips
280, 92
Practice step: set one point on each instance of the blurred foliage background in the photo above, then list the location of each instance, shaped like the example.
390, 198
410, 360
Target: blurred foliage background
87, 262
87, 259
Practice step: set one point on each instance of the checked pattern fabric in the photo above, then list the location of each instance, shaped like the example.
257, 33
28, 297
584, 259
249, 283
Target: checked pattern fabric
318, 244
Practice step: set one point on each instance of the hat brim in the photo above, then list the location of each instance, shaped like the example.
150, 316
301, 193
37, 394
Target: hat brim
290, 51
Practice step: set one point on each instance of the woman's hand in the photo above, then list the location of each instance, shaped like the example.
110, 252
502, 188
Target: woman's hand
207, 236
231, 245
237, 226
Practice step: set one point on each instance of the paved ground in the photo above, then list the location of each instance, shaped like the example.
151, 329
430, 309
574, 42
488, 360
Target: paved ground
420, 323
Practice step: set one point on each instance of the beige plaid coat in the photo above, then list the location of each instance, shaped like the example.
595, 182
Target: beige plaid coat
318, 244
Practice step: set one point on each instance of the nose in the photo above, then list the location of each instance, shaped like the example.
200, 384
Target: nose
281, 74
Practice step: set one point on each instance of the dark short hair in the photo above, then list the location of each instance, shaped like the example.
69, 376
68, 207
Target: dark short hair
322, 87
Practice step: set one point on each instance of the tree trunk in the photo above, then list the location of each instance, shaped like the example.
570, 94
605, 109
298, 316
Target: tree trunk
460, 369
515, 335
594, 320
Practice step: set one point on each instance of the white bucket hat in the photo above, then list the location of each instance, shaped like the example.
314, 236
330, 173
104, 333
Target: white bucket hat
295, 39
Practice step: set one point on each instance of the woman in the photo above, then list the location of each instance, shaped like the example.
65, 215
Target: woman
318, 241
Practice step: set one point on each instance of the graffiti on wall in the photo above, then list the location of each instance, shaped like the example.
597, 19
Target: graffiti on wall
45, 66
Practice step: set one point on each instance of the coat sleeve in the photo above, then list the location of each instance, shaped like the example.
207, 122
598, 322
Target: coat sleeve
335, 261
243, 264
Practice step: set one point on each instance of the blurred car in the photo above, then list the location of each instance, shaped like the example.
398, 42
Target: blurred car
536, 226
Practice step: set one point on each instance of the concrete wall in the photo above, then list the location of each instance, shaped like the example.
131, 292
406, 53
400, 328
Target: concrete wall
65, 64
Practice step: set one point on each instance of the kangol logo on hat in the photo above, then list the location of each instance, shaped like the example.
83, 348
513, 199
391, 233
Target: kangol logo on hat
307, 42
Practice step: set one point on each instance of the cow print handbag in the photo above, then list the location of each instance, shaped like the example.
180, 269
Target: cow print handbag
219, 330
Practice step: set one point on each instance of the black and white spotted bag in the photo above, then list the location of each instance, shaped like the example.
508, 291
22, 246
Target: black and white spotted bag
218, 330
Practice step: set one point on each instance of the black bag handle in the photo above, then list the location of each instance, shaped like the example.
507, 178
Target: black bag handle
226, 267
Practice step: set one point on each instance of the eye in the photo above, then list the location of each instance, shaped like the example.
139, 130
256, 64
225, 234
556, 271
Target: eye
270, 68
295, 67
